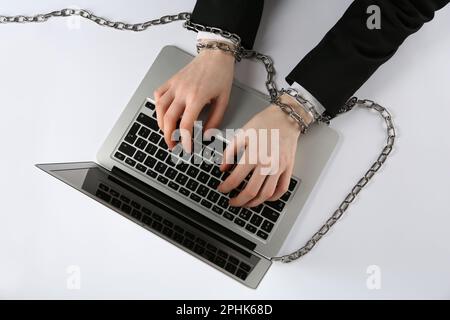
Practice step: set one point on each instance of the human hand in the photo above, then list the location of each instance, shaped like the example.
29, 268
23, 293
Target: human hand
205, 80
270, 169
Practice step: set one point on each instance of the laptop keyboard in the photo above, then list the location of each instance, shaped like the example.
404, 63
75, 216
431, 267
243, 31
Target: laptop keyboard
195, 177
175, 231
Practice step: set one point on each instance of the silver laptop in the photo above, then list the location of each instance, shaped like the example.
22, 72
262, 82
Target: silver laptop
176, 197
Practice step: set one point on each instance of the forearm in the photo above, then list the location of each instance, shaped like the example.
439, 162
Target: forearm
350, 52
235, 16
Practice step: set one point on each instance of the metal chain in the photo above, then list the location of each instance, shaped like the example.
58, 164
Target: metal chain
348, 200
270, 86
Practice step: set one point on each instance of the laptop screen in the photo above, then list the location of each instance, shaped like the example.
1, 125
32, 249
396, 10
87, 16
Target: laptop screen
167, 218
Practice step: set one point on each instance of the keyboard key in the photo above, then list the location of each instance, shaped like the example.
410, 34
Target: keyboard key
270, 214
250, 228
126, 208
262, 234
213, 183
267, 226
141, 143
239, 222
245, 267
277, 205
241, 274
216, 172
136, 214
116, 203
150, 162
220, 262
130, 138
206, 166
258, 208
217, 210
127, 149
233, 260
148, 122
231, 268
130, 162
124, 199
184, 192
202, 190
150, 105
213, 196
147, 220
151, 149
182, 166
173, 185
256, 220
140, 156
245, 214
192, 172
160, 167
203, 177
163, 180
152, 173
163, 144
119, 156
161, 154
154, 138
157, 226
292, 184
195, 197
222, 254
114, 193
228, 216
181, 178
192, 185
234, 210
134, 128
104, 196
171, 173
223, 202
196, 160
172, 160
144, 132
141, 168
285, 197
206, 204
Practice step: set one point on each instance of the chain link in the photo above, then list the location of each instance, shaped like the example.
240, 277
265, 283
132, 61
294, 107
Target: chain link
358, 187
242, 53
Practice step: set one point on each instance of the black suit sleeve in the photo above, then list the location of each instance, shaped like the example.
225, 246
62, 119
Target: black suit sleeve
241, 17
350, 53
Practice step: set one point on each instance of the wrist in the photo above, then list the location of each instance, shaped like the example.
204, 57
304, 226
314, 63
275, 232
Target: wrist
218, 49
300, 109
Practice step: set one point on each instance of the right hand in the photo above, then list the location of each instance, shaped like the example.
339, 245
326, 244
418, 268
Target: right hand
205, 80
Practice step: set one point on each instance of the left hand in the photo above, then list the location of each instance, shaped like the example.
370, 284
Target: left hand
272, 170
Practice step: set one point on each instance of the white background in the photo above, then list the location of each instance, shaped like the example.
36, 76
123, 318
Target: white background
62, 89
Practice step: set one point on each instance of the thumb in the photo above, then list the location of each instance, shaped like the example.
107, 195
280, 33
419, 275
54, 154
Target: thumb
217, 110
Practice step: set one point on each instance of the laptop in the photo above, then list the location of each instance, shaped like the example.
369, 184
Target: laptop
175, 197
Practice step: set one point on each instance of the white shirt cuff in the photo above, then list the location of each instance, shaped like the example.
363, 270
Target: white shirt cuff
305, 93
203, 35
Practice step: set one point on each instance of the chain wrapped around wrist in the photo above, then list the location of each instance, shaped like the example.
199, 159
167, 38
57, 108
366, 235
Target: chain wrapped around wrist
307, 105
289, 110
219, 45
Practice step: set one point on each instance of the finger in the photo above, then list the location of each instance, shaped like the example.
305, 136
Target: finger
251, 190
216, 114
162, 105
266, 191
187, 123
283, 184
158, 93
170, 121
236, 177
232, 150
